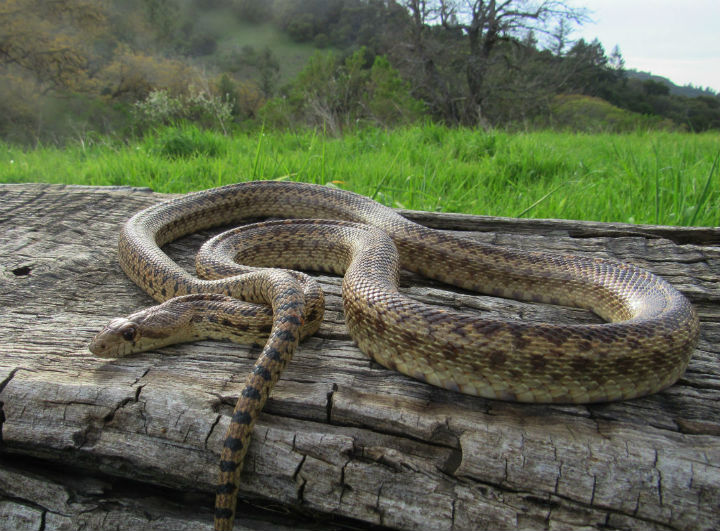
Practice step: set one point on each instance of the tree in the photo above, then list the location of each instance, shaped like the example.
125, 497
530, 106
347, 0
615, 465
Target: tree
484, 24
428, 58
255, 11
703, 113
655, 88
132, 75
163, 16
51, 40
335, 94
617, 61
386, 97
587, 68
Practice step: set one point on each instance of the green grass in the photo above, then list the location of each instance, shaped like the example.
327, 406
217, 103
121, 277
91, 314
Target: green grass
657, 178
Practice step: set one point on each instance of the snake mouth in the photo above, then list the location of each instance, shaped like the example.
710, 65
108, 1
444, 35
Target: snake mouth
118, 338
99, 347
103, 346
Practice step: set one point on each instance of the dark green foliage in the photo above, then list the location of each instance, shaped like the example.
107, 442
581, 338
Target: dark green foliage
587, 67
201, 45
301, 28
254, 11
387, 97
334, 94
591, 74
249, 63
375, 24
703, 113
655, 88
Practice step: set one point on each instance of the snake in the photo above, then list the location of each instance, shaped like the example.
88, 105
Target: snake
643, 345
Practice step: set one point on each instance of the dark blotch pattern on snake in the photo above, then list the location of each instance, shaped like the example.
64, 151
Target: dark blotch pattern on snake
644, 346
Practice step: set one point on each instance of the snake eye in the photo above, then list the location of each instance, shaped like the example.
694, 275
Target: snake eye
129, 333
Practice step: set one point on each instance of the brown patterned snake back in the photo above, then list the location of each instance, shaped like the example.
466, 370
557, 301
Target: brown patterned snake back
643, 348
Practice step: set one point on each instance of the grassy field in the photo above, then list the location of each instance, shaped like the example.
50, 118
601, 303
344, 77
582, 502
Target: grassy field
658, 178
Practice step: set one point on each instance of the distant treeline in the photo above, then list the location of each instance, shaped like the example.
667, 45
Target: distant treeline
73, 67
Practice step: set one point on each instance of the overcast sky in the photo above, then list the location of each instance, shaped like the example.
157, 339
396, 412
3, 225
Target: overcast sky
677, 39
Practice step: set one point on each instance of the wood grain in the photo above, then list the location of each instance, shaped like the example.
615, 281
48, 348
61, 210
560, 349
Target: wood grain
343, 443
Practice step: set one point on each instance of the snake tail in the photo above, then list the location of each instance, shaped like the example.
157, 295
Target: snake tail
288, 304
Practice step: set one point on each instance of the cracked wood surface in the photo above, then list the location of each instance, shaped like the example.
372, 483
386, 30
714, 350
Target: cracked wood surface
343, 443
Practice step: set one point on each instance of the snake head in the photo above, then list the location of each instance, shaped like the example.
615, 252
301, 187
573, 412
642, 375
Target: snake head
117, 338
139, 332
177, 320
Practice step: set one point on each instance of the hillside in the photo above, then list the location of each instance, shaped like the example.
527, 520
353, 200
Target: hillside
688, 91
74, 67
291, 56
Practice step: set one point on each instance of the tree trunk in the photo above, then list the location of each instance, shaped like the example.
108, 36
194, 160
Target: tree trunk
343, 443
483, 33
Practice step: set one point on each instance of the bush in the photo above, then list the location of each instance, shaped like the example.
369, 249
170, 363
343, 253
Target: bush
201, 45
244, 97
589, 114
158, 108
161, 108
302, 28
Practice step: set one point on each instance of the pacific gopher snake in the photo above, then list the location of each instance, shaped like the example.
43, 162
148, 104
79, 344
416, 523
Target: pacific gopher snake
644, 347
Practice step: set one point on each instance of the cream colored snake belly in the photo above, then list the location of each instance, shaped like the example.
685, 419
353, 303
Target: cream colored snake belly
643, 348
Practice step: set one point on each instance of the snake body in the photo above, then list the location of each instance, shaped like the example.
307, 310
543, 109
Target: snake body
644, 347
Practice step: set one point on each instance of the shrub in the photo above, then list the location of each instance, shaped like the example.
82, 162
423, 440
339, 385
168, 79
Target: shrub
158, 108
244, 97
161, 108
321, 40
589, 114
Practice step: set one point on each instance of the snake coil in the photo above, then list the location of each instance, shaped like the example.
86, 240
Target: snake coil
644, 346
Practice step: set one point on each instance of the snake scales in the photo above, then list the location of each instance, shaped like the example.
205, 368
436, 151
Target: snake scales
644, 347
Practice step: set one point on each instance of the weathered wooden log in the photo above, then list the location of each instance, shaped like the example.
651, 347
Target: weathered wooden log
134, 443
